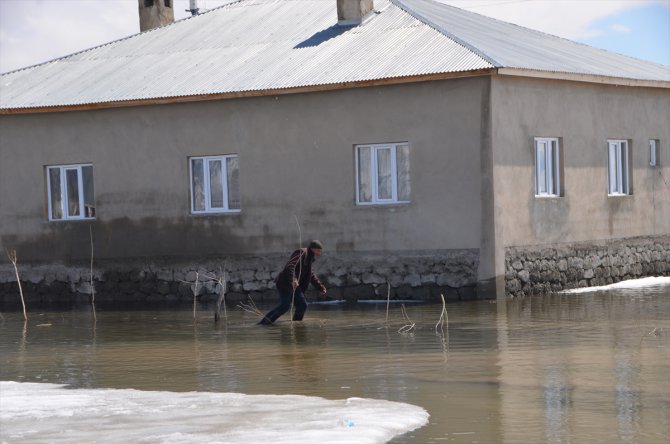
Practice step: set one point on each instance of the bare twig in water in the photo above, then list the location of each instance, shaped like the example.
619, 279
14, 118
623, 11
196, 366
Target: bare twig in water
299, 265
443, 316
653, 333
222, 295
195, 292
410, 326
12, 258
90, 232
388, 301
250, 307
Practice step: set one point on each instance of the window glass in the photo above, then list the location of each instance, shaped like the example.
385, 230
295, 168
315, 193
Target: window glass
541, 168
198, 184
72, 186
215, 184
364, 174
618, 169
547, 167
233, 183
624, 167
89, 201
56, 193
402, 162
71, 194
384, 174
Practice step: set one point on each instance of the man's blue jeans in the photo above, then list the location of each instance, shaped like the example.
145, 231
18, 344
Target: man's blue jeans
285, 298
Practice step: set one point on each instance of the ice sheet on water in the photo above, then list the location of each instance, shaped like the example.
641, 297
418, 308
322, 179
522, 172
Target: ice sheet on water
39, 412
632, 283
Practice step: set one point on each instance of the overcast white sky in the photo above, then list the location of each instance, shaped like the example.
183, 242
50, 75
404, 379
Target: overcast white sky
34, 31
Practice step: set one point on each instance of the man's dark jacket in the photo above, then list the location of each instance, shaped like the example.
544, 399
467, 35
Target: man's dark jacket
299, 266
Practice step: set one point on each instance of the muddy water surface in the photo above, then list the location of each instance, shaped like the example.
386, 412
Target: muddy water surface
583, 368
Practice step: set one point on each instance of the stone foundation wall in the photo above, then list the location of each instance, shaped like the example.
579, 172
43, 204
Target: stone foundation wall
536, 270
412, 275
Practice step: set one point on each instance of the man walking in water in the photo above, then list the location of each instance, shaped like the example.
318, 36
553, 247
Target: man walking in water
293, 281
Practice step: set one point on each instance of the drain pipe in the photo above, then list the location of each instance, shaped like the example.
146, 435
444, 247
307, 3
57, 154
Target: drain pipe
193, 7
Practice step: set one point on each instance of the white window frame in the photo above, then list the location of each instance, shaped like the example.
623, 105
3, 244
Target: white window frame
547, 167
64, 199
207, 187
375, 149
618, 167
654, 145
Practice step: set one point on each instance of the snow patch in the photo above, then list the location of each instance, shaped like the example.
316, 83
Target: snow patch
632, 283
37, 412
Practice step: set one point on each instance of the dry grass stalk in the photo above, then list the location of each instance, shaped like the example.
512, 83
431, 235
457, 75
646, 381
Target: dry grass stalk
388, 301
12, 258
221, 280
250, 307
410, 326
299, 266
443, 316
195, 292
90, 232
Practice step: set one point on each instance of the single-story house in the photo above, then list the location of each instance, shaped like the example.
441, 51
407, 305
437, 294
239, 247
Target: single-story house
431, 149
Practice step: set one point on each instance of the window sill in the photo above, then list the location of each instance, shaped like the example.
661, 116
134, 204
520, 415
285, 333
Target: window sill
216, 213
619, 195
79, 219
548, 196
385, 206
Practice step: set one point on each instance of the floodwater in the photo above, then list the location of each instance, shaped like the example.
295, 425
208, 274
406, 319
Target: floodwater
570, 368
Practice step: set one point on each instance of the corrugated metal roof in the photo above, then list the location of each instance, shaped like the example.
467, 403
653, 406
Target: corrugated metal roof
252, 45
511, 46
257, 45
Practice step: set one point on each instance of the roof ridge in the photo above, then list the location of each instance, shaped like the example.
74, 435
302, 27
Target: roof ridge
400, 4
505, 23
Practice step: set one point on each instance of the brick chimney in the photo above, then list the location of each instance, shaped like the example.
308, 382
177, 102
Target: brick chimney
155, 13
352, 12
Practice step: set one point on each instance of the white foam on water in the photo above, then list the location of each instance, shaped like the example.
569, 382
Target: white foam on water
39, 412
632, 283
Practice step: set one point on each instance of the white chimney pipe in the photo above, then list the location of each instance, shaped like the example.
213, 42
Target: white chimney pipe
352, 12
193, 7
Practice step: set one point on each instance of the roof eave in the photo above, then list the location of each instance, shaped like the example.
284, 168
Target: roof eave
586, 78
243, 94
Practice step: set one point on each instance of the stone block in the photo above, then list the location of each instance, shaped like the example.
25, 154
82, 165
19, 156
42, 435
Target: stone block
524, 276
163, 287
575, 262
372, 278
263, 275
427, 279
251, 286
165, 274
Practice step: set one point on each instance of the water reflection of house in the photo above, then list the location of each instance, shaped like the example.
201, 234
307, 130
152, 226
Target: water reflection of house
405, 126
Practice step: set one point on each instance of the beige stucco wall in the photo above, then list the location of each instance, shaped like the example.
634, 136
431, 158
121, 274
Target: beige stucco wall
296, 159
584, 116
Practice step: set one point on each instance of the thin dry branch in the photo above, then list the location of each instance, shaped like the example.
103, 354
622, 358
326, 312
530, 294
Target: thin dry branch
299, 265
195, 292
13, 259
410, 326
443, 316
90, 232
221, 280
388, 301
250, 307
